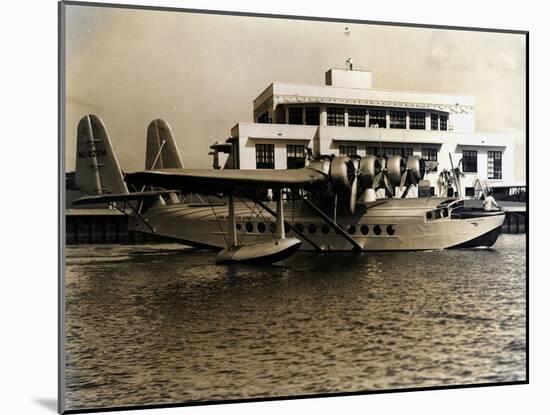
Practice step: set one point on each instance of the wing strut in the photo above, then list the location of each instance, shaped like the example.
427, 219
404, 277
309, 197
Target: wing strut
231, 224
280, 229
333, 225
296, 231
265, 252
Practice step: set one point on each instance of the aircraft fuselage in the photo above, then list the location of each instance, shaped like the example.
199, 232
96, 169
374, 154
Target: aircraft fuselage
385, 225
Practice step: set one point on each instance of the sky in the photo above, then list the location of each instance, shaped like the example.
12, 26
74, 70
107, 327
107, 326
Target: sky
201, 72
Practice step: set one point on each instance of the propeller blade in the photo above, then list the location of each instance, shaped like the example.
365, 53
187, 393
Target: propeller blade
353, 196
376, 182
411, 179
387, 184
356, 164
403, 180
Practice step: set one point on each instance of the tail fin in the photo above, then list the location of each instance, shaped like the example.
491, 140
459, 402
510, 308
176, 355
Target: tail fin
97, 168
162, 151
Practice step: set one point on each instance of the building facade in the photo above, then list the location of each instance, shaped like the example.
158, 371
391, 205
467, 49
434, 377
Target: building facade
346, 116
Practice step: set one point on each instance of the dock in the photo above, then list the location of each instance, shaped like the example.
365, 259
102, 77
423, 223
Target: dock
103, 226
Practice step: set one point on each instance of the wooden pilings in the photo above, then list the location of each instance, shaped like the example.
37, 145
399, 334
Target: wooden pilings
515, 222
104, 229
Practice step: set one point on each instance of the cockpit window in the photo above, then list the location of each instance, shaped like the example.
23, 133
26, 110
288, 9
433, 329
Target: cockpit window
437, 214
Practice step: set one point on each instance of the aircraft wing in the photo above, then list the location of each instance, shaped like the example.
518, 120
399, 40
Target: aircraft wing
119, 197
218, 181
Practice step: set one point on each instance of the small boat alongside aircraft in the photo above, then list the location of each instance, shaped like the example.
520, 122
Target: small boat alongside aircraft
330, 204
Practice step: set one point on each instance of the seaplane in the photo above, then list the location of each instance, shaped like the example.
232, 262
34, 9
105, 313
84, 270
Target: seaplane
330, 205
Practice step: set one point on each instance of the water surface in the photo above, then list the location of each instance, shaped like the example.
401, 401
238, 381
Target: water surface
158, 324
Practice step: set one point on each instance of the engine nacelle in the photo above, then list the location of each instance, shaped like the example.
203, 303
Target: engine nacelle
369, 167
417, 167
339, 173
396, 166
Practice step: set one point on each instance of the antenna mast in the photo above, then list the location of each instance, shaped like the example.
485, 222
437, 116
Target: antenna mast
349, 63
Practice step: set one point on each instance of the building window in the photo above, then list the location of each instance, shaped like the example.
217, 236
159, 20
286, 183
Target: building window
389, 151
348, 150
265, 156
470, 191
264, 118
295, 116
417, 120
398, 119
429, 154
312, 116
469, 161
397, 151
377, 118
443, 123
494, 164
335, 116
280, 115
356, 118
373, 151
434, 124
295, 156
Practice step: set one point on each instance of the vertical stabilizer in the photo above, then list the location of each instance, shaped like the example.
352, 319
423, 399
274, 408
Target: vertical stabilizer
162, 151
97, 167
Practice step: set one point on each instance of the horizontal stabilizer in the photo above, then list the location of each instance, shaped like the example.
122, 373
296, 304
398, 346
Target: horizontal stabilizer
120, 197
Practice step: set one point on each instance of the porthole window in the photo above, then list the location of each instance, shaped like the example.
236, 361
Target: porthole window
429, 215
377, 229
299, 227
351, 229
390, 229
239, 226
364, 229
249, 227
325, 229
261, 227
312, 228
287, 228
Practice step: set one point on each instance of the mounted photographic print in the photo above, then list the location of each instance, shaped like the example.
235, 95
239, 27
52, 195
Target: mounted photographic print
258, 207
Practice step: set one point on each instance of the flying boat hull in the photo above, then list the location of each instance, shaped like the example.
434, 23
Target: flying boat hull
385, 225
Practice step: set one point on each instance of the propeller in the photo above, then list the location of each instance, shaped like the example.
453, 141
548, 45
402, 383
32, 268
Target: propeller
415, 171
344, 175
353, 165
351, 176
382, 177
407, 178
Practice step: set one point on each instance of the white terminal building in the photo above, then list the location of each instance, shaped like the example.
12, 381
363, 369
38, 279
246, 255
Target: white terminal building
346, 116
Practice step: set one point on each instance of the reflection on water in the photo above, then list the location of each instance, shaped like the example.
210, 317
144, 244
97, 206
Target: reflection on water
161, 324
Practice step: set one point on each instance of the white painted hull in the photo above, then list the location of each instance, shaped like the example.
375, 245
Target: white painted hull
206, 226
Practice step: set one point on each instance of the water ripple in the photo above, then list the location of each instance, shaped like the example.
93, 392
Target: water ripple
157, 324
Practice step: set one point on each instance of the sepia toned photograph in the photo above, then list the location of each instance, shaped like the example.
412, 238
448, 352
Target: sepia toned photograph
263, 207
